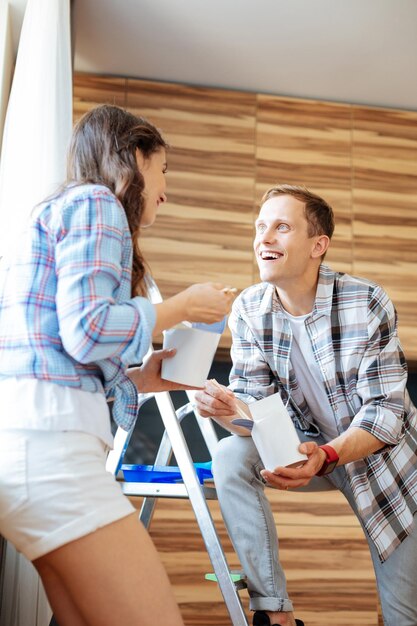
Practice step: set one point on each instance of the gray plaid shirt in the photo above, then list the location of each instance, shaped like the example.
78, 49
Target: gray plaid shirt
353, 333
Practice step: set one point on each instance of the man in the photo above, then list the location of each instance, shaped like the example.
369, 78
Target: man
327, 342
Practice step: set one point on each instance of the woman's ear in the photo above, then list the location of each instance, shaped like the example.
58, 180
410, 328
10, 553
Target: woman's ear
320, 246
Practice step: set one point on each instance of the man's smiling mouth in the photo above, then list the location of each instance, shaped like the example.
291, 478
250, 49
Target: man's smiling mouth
270, 255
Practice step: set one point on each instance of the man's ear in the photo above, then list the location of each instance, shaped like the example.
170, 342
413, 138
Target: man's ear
320, 246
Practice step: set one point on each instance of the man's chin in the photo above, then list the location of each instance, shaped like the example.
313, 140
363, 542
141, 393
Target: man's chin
267, 277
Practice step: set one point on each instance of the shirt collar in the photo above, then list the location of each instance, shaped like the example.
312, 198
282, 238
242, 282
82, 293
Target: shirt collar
323, 301
324, 293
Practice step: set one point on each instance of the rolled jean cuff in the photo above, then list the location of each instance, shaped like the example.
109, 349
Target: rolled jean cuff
270, 604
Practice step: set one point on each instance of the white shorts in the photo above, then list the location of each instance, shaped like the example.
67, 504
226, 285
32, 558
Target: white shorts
54, 489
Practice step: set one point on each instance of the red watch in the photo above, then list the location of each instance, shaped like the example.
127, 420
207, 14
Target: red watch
330, 462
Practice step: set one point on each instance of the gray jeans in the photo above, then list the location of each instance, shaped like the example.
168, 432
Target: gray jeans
250, 523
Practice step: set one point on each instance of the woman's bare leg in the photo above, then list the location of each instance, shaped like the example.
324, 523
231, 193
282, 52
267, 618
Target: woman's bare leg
113, 576
61, 602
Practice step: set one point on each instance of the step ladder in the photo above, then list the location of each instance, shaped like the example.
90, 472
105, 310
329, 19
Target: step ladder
173, 441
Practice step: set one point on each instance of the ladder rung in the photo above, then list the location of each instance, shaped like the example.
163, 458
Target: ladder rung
163, 490
238, 578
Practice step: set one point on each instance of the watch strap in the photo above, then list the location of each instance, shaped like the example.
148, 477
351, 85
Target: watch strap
330, 461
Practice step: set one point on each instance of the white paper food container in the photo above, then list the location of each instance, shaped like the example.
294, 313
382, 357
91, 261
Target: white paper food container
195, 353
274, 434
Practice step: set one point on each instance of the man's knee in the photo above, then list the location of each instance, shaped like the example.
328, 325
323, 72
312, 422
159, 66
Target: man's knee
234, 456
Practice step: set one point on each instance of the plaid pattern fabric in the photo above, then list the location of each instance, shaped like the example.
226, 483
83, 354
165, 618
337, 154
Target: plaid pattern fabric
353, 332
66, 312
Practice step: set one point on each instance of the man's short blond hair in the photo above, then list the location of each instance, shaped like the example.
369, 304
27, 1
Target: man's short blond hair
319, 214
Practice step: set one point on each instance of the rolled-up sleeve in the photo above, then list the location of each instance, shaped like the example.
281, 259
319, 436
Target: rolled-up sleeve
95, 322
382, 374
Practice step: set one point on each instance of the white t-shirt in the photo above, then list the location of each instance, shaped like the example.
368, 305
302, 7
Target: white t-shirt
35, 404
309, 377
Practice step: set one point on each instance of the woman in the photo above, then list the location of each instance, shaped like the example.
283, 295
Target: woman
73, 317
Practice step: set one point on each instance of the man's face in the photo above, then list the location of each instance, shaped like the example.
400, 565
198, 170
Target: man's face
284, 251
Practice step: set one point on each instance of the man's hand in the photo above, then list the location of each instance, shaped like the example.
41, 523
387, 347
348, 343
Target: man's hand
147, 378
219, 402
293, 477
215, 401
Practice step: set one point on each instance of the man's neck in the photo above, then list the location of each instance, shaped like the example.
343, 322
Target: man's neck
298, 296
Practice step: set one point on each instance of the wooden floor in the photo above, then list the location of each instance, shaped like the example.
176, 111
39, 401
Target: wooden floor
325, 556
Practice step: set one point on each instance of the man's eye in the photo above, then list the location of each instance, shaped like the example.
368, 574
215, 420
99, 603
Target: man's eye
283, 227
261, 228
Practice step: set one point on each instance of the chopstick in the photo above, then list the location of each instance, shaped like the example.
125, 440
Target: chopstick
239, 411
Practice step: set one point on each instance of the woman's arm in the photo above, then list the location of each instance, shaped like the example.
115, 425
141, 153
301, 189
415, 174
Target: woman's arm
92, 270
206, 302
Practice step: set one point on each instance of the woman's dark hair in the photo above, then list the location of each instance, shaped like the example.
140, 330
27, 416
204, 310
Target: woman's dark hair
103, 151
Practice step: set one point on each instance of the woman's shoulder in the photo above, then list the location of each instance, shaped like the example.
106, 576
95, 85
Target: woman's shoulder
86, 191
91, 203
81, 206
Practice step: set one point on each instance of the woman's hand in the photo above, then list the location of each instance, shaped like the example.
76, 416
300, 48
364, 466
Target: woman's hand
293, 477
205, 302
147, 378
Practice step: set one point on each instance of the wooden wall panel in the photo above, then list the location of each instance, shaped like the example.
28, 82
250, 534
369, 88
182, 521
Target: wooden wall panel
308, 143
228, 147
90, 90
323, 551
384, 157
204, 231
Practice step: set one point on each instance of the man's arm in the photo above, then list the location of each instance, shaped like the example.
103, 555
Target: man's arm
382, 378
352, 445
250, 377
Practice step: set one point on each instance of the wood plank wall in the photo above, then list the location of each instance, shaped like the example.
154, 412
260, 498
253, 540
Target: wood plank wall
384, 167
309, 142
228, 147
323, 551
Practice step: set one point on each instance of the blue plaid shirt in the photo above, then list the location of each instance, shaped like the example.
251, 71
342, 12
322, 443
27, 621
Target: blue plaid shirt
66, 311
353, 333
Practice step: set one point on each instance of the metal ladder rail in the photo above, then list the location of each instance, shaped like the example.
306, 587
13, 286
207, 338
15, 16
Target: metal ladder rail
115, 456
205, 424
201, 510
164, 455
121, 440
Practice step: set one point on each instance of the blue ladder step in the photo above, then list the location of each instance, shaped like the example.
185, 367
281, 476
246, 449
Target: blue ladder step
163, 473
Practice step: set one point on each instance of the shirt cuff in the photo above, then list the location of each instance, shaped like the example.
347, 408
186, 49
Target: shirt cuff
147, 314
381, 423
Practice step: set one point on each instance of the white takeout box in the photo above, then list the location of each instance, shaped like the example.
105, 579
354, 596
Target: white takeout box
274, 434
195, 353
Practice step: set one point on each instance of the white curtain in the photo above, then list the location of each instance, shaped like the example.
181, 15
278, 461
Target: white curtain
36, 134
39, 115
6, 60
23, 599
